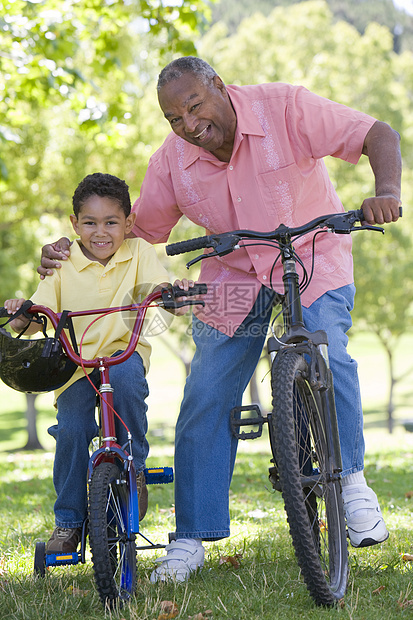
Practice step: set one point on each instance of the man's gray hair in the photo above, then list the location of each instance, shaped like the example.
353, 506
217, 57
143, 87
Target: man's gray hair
186, 64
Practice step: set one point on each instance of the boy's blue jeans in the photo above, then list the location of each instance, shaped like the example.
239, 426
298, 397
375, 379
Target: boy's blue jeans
76, 427
205, 449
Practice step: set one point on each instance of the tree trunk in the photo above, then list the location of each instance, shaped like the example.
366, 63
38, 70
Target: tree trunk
393, 381
33, 442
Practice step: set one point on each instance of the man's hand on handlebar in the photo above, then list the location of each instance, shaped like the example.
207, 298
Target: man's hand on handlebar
52, 253
381, 209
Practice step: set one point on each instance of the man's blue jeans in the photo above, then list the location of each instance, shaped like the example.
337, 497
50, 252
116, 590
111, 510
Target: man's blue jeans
76, 427
205, 449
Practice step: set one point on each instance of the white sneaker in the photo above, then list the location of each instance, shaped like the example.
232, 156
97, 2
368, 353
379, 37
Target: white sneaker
365, 523
183, 557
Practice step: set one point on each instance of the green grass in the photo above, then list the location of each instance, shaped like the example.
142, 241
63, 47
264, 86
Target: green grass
267, 585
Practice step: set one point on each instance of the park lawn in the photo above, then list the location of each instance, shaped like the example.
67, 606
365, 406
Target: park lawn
267, 583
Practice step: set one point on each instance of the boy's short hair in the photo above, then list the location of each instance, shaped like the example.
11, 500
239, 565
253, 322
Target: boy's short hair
105, 186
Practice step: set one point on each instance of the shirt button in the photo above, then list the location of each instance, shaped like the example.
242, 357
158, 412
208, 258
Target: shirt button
231, 167
239, 198
264, 277
256, 256
104, 275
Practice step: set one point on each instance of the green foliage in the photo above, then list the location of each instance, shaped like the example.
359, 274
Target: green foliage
384, 282
358, 13
77, 95
304, 43
74, 99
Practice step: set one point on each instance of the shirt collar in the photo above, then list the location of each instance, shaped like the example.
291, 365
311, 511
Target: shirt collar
80, 261
247, 124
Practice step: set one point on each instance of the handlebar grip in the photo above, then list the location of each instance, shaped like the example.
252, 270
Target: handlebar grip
22, 311
188, 246
360, 215
196, 289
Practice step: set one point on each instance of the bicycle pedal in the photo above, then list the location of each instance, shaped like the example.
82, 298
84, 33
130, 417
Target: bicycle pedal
159, 475
61, 559
274, 478
238, 422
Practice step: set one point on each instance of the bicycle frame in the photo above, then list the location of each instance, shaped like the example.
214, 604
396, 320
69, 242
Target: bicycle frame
109, 449
314, 345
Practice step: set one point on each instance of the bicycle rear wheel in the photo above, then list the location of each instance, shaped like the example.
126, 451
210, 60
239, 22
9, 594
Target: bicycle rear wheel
304, 458
112, 545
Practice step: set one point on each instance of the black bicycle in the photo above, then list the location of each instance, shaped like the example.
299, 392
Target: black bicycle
306, 458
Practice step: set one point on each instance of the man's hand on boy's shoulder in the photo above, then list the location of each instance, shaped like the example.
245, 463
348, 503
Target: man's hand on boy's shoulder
52, 253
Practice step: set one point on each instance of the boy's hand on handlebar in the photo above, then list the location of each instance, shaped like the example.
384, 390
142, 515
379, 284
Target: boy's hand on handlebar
51, 254
185, 285
381, 209
12, 305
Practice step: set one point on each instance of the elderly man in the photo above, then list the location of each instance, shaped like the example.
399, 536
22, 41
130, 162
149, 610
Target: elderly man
252, 157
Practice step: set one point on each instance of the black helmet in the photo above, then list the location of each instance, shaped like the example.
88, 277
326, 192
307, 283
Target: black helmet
33, 365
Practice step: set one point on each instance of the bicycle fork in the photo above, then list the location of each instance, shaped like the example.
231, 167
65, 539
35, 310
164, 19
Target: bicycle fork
321, 381
111, 451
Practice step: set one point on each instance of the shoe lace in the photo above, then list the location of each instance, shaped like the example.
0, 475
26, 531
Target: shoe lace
62, 532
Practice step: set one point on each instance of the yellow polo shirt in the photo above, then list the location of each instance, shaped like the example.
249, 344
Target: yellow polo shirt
81, 284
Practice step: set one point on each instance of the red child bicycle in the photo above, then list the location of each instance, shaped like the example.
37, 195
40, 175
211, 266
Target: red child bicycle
45, 364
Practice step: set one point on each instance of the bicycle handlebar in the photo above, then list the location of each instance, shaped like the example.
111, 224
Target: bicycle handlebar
168, 296
340, 223
24, 310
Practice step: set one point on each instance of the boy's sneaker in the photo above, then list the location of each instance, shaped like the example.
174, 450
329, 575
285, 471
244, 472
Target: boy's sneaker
365, 523
183, 557
64, 540
142, 494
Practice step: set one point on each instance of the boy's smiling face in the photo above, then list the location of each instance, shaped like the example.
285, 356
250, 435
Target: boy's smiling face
102, 225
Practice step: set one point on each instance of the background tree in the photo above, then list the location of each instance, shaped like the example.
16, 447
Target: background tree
77, 94
304, 44
72, 77
358, 13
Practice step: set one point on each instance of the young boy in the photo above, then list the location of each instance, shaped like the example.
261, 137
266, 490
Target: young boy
104, 269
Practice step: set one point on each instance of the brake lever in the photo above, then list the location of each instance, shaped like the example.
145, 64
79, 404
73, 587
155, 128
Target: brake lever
225, 245
344, 225
200, 257
369, 227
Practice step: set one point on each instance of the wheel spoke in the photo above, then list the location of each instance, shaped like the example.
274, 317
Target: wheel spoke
113, 550
305, 465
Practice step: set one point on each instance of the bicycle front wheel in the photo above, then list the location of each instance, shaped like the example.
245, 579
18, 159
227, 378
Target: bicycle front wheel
112, 545
304, 458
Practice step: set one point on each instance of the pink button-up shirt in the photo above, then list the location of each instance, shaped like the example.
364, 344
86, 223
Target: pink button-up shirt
276, 175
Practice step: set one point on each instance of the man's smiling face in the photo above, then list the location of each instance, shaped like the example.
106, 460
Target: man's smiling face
200, 113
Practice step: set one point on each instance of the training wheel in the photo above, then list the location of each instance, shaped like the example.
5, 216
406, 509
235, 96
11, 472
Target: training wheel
40, 559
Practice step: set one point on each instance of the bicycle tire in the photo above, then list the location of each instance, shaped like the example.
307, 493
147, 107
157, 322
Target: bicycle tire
302, 450
112, 545
40, 559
